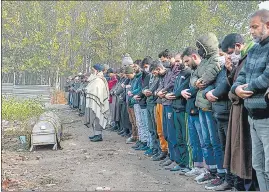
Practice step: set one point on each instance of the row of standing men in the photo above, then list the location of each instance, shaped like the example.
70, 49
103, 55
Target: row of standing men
203, 113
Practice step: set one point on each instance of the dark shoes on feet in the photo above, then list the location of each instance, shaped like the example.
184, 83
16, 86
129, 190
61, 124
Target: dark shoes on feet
96, 138
160, 157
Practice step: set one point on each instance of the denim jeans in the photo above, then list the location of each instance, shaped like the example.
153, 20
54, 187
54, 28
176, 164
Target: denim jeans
152, 127
212, 141
259, 130
196, 139
169, 132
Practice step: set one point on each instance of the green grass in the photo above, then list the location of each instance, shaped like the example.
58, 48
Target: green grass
20, 110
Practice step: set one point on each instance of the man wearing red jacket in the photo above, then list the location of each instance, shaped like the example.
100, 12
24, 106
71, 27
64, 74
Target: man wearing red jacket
112, 100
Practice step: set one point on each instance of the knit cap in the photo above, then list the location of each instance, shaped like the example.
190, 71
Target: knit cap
98, 67
127, 60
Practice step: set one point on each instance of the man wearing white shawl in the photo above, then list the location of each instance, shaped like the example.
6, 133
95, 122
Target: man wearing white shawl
97, 104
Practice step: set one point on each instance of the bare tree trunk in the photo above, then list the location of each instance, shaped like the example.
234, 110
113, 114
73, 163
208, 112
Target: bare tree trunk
24, 77
57, 85
14, 78
41, 79
8, 75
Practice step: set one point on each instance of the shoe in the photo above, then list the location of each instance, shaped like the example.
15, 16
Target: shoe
206, 179
194, 172
200, 176
154, 151
91, 137
166, 159
171, 166
145, 148
108, 127
223, 187
167, 163
130, 140
149, 151
160, 157
142, 145
184, 170
137, 144
214, 183
97, 138
121, 132
156, 155
115, 128
177, 168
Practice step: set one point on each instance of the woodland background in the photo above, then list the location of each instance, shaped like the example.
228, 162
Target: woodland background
43, 42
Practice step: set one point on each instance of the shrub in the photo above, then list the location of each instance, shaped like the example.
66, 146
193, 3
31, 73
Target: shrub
20, 110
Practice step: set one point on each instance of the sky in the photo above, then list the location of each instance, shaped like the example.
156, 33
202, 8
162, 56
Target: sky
264, 5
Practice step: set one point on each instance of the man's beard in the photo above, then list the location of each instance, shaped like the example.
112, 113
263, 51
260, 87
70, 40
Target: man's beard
259, 39
193, 65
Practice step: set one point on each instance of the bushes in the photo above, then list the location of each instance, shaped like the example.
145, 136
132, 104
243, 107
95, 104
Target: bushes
20, 110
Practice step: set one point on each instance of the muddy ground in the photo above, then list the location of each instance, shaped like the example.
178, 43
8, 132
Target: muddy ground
84, 166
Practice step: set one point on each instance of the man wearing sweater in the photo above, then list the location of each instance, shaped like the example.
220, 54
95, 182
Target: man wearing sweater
251, 85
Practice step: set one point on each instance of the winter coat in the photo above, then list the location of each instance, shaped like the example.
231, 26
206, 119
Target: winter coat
136, 87
167, 83
111, 84
191, 108
221, 108
255, 73
152, 86
181, 83
238, 140
121, 91
145, 83
208, 69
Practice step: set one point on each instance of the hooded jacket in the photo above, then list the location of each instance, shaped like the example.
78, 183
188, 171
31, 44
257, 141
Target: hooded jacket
222, 106
208, 69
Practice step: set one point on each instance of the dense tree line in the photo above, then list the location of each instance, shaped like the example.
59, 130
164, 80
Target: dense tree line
44, 41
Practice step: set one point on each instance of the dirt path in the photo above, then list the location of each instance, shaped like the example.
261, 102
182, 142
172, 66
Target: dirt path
83, 166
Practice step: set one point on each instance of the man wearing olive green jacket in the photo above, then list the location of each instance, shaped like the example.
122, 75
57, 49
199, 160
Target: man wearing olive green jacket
203, 76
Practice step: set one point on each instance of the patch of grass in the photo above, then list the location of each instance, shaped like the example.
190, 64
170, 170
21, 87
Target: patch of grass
20, 110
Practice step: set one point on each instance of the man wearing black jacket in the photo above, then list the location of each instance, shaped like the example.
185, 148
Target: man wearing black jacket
179, 115
125, 124
192, 59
